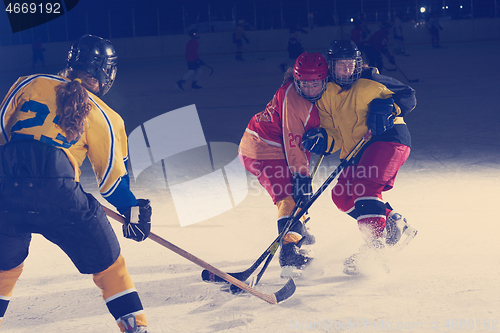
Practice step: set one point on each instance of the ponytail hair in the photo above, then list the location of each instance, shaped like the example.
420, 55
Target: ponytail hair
73, 107
288, 76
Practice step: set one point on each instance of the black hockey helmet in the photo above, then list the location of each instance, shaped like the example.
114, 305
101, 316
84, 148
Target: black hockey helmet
96, 56
344, 50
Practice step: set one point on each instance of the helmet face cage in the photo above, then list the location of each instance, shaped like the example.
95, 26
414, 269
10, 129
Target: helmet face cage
344, 50
97, 57
310, 68
343, 81
314, 98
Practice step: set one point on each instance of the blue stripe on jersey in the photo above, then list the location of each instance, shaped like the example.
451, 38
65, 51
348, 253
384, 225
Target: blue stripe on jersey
110, 165
21, 85
124, 305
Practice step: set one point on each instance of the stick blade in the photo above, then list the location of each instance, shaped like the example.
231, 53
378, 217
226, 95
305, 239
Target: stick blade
285, 292
210, 277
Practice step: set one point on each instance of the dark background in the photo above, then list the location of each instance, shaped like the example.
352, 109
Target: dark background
132, 18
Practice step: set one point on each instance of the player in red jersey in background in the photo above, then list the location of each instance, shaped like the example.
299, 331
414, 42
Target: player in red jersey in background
193, 61
376, 46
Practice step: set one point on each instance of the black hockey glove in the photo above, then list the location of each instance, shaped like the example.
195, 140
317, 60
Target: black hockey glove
315, 140
138, 221
380, 117
302, 189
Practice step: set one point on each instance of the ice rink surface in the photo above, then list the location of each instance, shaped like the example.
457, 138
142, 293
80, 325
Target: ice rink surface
447, 279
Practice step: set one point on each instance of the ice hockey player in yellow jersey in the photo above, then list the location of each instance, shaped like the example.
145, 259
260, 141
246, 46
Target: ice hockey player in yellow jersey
48, 125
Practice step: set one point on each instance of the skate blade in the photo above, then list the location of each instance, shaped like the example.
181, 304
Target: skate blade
410, 235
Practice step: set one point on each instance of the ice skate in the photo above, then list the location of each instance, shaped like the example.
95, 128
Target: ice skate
179, 83
131, 325
293, 260
398, 232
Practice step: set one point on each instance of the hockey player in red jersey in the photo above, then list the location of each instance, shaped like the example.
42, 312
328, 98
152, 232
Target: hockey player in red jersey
377, 46
49, 125
193, 61
350, 106
271, 150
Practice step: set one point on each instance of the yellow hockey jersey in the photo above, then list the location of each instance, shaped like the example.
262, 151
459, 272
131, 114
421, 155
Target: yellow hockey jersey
29, 112
343, 113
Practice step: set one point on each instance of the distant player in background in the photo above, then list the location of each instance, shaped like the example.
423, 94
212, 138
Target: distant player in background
271, 150
434, 27
294, 47
294, 50
377, 46
50, 124
350, 106
296, 31
238, 37
359, 34
193, 60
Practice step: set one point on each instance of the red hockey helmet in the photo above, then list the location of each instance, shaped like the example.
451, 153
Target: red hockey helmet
310, 69
310, 66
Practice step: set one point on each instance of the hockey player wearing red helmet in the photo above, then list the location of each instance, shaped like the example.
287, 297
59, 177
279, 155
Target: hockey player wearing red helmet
271, 150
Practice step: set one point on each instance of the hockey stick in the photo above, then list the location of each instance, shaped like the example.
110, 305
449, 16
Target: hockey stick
274, 247
209, 67
285, 292
297, 214
399, 69
316, 167
271, 250
207, 276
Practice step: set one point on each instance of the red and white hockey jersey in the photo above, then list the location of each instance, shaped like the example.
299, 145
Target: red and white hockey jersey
276, 132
